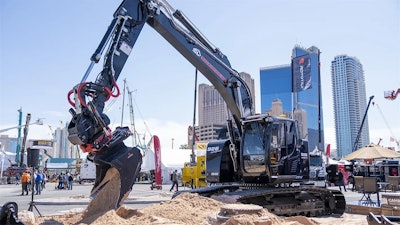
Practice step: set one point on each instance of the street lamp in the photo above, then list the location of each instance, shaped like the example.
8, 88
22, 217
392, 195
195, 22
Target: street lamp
38, 122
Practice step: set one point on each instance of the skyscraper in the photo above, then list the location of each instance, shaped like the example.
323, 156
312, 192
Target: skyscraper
305, 106
212, 110
349, 102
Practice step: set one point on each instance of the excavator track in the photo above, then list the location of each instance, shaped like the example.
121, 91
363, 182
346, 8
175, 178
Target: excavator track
307, 201
295, 201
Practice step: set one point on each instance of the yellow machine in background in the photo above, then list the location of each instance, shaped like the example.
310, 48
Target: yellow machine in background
194, 175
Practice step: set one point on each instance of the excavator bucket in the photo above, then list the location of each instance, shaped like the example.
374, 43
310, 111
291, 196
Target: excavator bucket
116, 172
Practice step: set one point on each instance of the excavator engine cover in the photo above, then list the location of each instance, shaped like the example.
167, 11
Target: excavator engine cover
219, 162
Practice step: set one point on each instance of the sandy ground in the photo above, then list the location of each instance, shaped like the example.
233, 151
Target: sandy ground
185, 209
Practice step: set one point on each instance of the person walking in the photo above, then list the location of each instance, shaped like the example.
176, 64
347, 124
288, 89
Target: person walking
24, 181
174, 179
341, 181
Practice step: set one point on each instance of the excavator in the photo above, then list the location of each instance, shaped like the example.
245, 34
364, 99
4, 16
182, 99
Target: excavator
262, 161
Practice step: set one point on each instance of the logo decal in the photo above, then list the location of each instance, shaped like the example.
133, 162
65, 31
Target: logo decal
197, 52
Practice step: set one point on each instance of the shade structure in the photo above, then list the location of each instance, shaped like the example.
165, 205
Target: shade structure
372, 151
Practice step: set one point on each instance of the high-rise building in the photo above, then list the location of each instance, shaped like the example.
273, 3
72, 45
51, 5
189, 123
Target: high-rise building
304, 106
349, 102
212, 110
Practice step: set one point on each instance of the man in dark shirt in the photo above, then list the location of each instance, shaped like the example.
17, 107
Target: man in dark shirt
341, 181
174, 179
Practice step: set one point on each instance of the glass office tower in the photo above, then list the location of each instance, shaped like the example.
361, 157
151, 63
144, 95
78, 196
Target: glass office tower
350, 102
304, 106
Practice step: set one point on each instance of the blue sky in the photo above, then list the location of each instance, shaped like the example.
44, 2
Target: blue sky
45, 48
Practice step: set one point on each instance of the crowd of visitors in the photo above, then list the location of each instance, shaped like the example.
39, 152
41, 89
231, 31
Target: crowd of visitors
65, 181
36, 182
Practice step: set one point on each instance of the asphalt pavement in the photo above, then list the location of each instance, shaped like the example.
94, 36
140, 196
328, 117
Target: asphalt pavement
55, 202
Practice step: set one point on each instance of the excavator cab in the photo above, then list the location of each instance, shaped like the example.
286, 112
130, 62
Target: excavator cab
270, 151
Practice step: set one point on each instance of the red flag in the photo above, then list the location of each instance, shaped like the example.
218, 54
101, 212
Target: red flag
157, 159
328, 150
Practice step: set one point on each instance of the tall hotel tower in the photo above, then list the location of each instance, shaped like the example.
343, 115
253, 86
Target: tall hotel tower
212, 110
349, 102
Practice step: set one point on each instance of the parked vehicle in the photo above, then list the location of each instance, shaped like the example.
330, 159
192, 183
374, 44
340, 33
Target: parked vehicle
87, 172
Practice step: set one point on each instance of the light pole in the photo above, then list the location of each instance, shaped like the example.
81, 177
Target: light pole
18, 158
38, 122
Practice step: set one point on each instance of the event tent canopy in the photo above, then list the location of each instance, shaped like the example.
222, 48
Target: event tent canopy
372, 151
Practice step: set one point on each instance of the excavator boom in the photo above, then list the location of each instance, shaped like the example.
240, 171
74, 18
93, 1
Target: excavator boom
89, 127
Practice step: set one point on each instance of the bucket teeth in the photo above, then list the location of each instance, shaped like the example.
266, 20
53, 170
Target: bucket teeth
116, 172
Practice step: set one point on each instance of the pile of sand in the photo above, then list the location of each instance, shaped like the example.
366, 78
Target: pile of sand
185, 209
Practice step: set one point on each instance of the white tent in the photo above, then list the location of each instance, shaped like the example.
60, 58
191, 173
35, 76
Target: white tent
330, 161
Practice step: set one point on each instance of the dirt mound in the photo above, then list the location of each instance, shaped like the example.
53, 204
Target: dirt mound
185, 209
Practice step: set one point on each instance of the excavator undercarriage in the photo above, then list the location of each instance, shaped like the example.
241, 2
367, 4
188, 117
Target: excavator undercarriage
291, 201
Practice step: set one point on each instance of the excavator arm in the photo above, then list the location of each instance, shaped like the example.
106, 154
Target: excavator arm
117, 165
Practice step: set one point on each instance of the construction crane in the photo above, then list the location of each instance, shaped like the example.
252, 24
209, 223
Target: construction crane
136, 139
23, 144
387, 124
132, 115
362, 124
391, 95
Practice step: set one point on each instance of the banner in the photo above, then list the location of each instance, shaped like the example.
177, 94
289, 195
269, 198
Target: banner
301, 77
328, 150
157, 160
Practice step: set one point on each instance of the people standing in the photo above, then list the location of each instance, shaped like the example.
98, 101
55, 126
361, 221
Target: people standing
66, 180
174, 179
341, 181
24, 181
70, 180
17, 178
44, 180
38, 183
60, 179
352, 181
